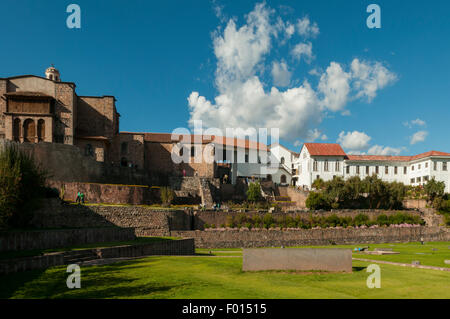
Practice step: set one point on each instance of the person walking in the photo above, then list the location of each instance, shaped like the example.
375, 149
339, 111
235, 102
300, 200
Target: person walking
78, 198
82, 198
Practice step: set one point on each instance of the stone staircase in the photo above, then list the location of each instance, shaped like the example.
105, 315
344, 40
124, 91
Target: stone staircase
205, 193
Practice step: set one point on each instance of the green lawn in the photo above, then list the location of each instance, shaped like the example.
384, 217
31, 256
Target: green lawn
430, 254
222, 277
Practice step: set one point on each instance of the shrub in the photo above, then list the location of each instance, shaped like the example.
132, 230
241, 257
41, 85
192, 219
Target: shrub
361, 219
317, 201
268, 220
21, 187
383, 220
230, 222
167, 195
254, 192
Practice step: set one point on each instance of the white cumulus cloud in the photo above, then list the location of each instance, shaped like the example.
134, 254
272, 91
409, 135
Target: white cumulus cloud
307, 29
384, 150
244, 99
418, 137
354, 141
280, 74
303, 50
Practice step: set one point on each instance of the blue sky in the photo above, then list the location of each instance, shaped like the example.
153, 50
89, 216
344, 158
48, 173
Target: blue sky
152, 55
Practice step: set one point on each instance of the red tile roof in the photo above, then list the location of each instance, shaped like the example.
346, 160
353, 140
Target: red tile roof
378, 158
205, 139
395, 158
325, 149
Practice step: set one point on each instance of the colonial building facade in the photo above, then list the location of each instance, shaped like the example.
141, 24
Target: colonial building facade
320, 160
36, 109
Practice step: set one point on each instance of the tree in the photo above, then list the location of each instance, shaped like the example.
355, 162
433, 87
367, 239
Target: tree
254, 192
317, 201
434, 189
318, 184
22, 186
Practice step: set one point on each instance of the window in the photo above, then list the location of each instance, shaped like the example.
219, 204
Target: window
426, 178
347, 170
192, 151
419, 179
124, 148
412, 180
367, 170
405, 170
315, 168
420, 166
426, 165
246, 158
282, 160
88, 150
283, 179
377, 169
326, 166
181, 151
435, 166
444, 166
412, 167
357, 169
386, 170
395, 170
224, 153
337, 168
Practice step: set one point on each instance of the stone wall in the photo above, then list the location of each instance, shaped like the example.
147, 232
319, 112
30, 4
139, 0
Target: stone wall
46, 239
56, 214
415, 203
305, 259
107, 193
168, 247
277, 238
68, 163
220, 218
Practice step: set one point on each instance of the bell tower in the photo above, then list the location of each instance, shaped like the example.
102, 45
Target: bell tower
52, 74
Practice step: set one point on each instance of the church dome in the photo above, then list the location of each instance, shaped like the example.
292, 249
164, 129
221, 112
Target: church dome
52, 74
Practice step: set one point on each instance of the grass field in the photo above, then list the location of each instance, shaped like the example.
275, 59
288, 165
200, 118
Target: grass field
221, 277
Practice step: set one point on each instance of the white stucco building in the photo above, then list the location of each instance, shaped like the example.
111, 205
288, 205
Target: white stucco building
322, 160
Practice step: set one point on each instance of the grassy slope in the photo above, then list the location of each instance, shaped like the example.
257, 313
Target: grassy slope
206, 277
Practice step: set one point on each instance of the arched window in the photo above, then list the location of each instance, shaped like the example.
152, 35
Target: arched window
283, 179
269, 177
41, 130
282, 160
16, 130
29, 131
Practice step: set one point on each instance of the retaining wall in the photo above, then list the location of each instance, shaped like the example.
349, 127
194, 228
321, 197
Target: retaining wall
46, 239
170, 247
300, 237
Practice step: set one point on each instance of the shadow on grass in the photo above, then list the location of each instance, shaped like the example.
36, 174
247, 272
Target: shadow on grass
358, 268
106, 281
